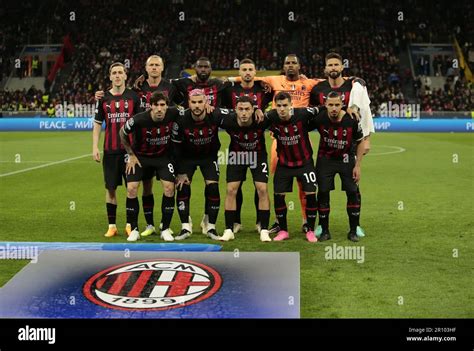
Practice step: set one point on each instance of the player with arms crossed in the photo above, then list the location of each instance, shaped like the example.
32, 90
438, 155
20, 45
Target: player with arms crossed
341, 138
247, 150
117, 106
150, 155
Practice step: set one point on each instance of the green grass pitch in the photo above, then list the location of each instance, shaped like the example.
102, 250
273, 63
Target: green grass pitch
417, 212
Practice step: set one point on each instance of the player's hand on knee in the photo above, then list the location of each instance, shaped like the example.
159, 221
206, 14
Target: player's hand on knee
132, 162
180, 180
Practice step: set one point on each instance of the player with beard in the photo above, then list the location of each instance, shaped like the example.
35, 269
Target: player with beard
196, 143
253, 89
212, 87
299, 88
340, 140
342, 85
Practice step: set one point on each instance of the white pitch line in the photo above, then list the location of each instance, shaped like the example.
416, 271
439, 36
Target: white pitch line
45, 165
397, 150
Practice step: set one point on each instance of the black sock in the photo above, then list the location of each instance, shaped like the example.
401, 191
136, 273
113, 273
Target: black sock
229, 219
206, 201
264, 218
148, 203
359, 196
256, 201
213, 199
182, 202
239, 198
281, 211
311, 210
324, 209
111, 212
353, 210
167, 209
133, 207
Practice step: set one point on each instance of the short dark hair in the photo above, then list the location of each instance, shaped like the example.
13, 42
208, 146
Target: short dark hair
245, 98
282, 95
333, 55
157, 96
247, 60
115, 64
203, 58
294, 55
334, 94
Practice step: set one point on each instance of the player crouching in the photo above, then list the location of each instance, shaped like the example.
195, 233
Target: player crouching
246, 150
150, 155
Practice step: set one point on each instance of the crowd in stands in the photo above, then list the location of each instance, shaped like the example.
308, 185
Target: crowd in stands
370, 35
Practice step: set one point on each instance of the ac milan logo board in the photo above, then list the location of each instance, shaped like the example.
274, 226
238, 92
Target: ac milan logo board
94, 284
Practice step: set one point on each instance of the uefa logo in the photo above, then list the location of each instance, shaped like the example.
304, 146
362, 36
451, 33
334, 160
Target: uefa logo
152, 285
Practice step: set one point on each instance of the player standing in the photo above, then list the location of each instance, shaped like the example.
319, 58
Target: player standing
344, 86
341, 138
154, 67
117, 106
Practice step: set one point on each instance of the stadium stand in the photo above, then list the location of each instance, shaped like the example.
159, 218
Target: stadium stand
372, 37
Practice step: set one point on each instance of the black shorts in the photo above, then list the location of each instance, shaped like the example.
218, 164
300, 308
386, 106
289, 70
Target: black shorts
161, 166
326, 170
209, 168
114, 169
283, 179
258, 166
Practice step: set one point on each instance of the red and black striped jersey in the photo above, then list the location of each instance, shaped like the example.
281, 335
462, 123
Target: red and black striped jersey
198, 139
115, 110
146, 90
338, 139
235, 90
251, 138
321, 90
151, 138
212, 88
293, 144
